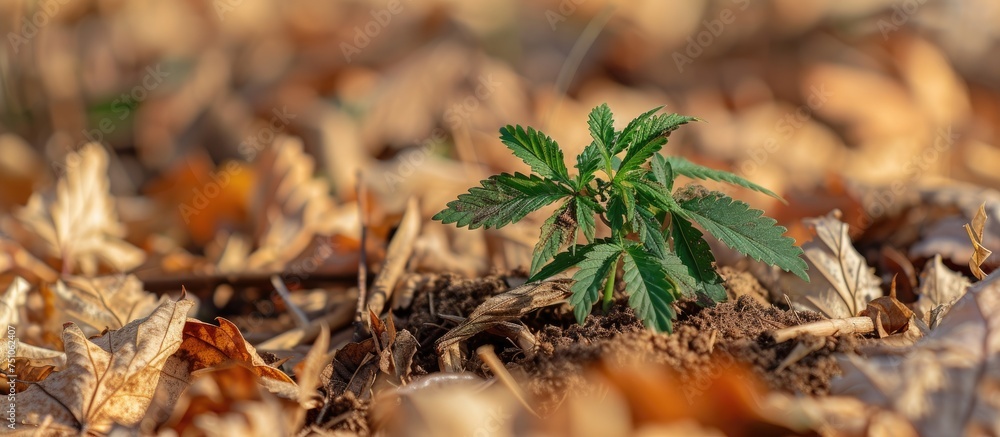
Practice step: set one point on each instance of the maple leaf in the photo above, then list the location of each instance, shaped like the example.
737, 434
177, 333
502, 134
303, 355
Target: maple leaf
843, 283
106, 302
112, 379
77, 223
948, 383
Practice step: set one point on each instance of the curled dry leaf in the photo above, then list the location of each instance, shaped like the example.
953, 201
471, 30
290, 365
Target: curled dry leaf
208, 346
357, 366
979, 252
78, 224
949, 382
939, 288
110, 379
106, 302
889, 316
26, 372
495, 311
841, 281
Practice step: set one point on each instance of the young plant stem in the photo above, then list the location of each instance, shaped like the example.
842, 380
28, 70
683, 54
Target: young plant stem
609, 290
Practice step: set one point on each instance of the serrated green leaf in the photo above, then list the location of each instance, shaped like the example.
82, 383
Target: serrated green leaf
692, 249
590, 279
678, 274
650, 232
537, 150
655, 194
567, 259
602, 130
681, 166
649, 293
627, 135
746, 230
621, 206
586, 208
556, 232
587, 162
662, 173
648, 138
501, 200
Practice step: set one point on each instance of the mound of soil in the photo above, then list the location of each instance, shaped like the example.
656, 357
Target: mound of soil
705, 341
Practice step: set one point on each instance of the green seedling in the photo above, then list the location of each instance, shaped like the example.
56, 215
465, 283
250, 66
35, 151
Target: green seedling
664, 256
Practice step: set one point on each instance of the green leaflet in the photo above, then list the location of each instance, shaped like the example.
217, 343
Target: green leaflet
594, 270
602, 130
744, 229
501, 200
648, 294
693, 251
649, 136
687, 168
537, 150
556, 232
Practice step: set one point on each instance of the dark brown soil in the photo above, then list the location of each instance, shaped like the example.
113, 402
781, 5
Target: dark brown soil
705, 341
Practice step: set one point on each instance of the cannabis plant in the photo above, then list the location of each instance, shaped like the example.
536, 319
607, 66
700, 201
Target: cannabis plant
664, 256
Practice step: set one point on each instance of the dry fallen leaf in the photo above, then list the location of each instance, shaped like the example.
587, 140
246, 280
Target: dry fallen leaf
358, 366
979, 252
949, 382
292, 207
889, 316
939, 288
110, 379
228, 401
78, 223
207, 346
106, 302
841, 281
12, 300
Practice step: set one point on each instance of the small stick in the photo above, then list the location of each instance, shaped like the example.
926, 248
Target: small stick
396, 257
301, 320
486, 353
823, 328
359, 326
